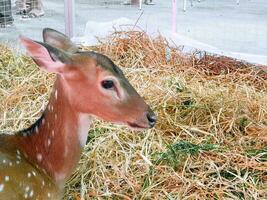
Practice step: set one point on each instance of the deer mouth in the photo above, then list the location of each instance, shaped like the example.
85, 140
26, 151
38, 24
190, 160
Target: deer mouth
136, 126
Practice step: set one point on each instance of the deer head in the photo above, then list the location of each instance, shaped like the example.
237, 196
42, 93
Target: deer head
92, 83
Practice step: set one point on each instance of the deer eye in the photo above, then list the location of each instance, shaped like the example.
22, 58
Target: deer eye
107, 84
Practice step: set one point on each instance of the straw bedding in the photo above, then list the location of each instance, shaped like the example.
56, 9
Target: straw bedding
211, 136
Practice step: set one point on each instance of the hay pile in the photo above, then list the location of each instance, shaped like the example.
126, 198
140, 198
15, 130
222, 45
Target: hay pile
211, 136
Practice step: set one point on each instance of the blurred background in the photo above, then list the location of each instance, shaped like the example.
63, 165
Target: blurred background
228, 27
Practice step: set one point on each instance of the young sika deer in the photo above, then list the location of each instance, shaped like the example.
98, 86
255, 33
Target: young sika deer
36, 162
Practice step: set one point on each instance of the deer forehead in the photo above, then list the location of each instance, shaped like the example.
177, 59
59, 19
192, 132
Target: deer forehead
98, 60
93, 64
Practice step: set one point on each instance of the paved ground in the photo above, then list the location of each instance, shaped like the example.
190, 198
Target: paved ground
221, 24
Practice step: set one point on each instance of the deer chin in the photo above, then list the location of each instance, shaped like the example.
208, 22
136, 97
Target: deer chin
131, 125
136, 126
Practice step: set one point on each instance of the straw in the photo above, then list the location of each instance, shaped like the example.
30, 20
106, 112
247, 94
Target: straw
210, 139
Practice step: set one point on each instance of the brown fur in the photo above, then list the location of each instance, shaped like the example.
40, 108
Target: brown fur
43, 156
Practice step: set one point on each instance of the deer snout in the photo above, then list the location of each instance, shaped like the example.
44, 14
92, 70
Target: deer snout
151, 117
146, 120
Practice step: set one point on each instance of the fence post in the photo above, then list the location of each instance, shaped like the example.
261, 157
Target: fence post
69, 13
174, 16
134, 2
184, 9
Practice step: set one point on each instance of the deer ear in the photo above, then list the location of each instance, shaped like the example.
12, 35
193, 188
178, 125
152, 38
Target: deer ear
59, 40
47, 57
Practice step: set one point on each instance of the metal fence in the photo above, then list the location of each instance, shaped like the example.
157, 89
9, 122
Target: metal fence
5, 13
29, 17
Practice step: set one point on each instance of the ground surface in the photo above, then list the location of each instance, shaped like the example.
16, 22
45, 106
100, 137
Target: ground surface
217, 26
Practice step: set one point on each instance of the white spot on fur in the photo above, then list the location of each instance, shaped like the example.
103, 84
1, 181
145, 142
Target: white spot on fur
18, 152
43, 121
6, 178
29, 175
48, 142
2, 187
53, 133
10, 164
39, 157
18, 157
83, 127
56, 94
33, 173
4, 161
26, 192
31, 193
27, 188
66, 153
48, 194
36, 129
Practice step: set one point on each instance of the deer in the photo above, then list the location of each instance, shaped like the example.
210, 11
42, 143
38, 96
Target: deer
36, 162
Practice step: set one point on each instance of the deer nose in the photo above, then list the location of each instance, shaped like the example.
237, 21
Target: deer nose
152, 118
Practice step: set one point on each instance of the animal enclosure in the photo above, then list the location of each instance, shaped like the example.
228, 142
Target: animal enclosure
220, 27
5, 13
211, 134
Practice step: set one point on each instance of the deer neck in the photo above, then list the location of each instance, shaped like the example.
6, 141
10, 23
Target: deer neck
55, 141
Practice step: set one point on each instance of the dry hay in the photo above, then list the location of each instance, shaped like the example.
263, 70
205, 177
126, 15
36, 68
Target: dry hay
210, 139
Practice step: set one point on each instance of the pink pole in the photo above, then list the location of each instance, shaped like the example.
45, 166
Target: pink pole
134, 2
174, 16
69, 17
